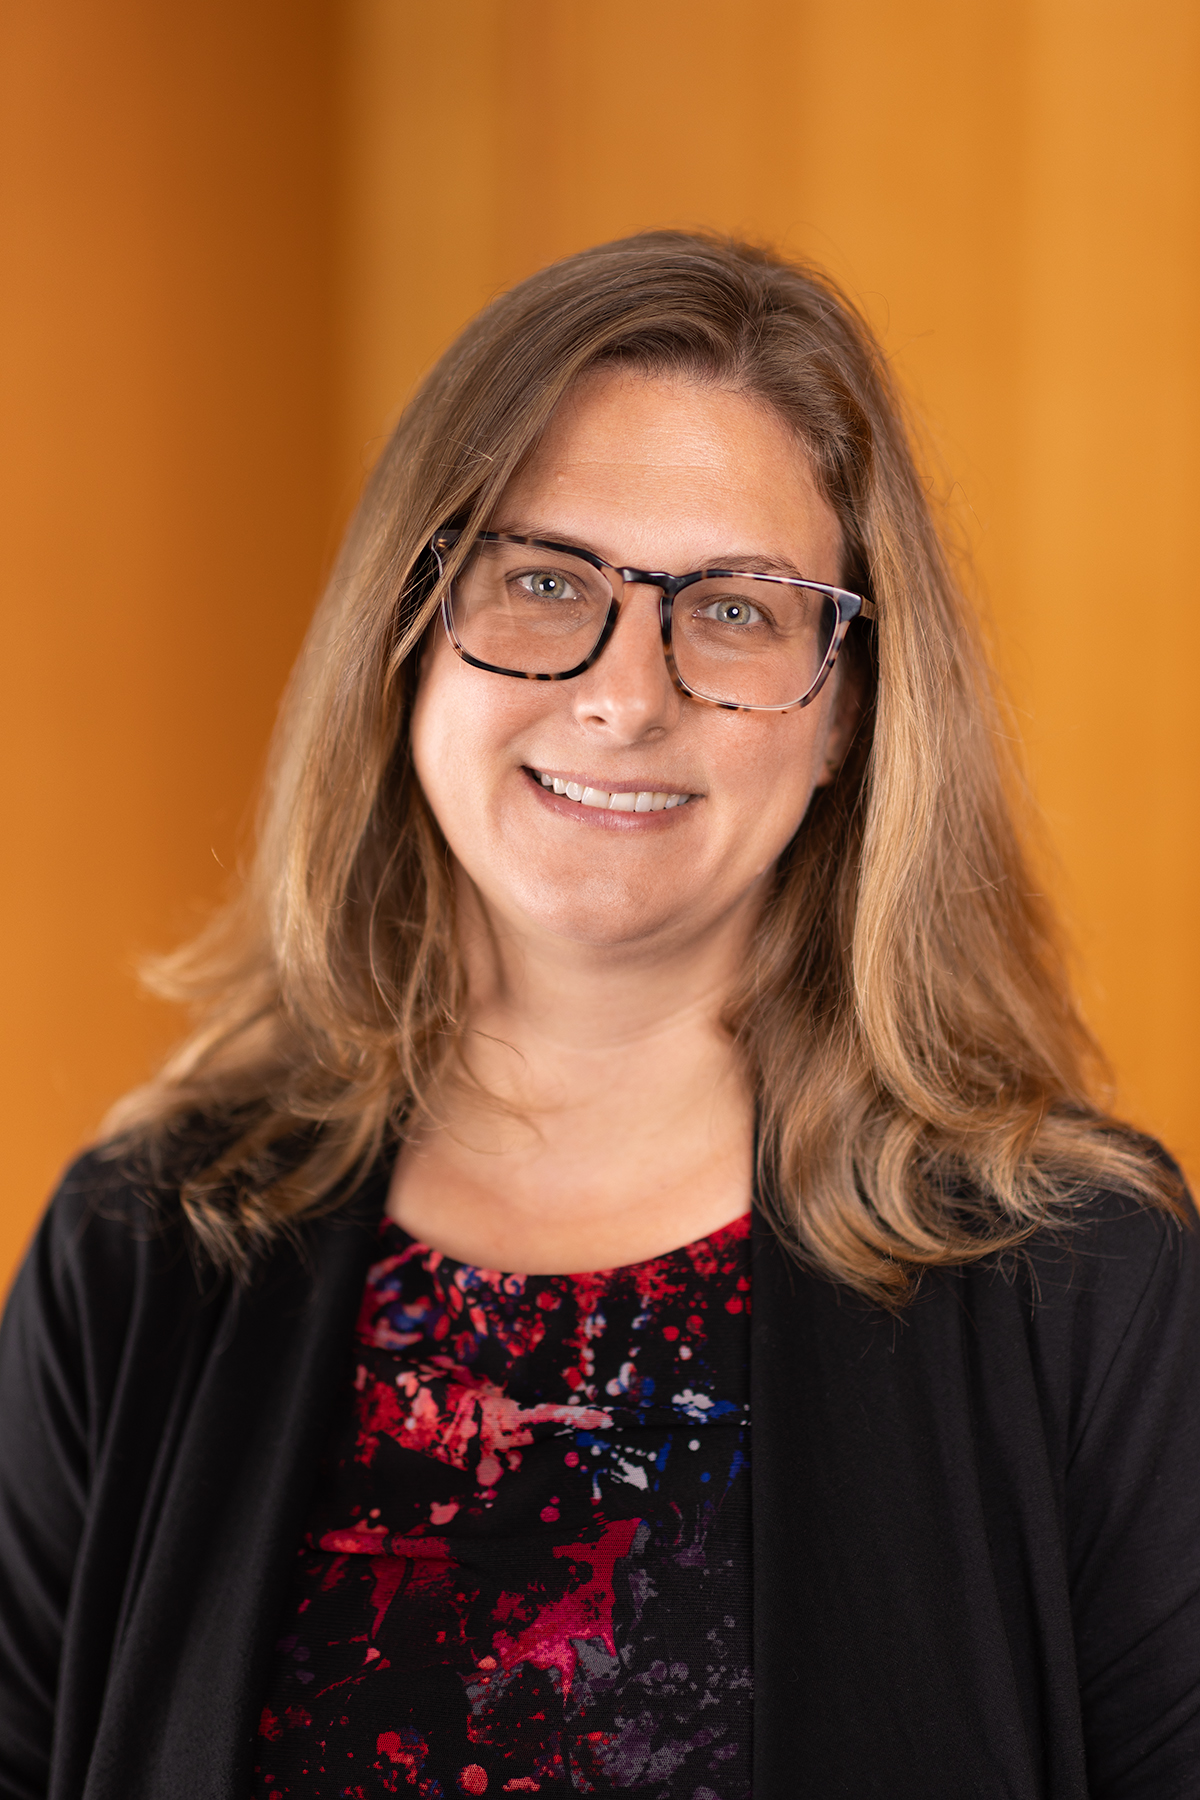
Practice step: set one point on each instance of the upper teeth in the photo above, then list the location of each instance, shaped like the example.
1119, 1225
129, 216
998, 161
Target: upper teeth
645, 801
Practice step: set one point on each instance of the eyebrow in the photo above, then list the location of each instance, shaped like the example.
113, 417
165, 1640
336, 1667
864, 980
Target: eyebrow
739, 562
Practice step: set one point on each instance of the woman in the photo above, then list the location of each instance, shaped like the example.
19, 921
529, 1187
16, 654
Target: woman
637, 850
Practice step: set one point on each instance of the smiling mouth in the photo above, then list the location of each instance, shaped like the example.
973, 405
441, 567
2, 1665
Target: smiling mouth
630, 800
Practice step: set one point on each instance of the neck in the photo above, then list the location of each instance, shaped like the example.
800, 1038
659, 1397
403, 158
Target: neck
601, 1115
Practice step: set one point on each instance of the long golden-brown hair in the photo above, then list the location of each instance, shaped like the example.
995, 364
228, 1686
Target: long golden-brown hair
925, 1087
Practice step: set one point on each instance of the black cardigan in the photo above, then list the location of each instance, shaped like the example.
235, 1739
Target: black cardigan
976, 1530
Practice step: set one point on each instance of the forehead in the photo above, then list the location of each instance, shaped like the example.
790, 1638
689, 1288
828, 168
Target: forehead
660, 467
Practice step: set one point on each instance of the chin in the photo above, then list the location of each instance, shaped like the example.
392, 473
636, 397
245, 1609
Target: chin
600, 912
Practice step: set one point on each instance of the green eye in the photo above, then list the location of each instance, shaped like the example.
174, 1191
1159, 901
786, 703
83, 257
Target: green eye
549, 584
734, 610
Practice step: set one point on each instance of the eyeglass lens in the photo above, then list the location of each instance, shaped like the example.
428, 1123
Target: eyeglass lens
739, 639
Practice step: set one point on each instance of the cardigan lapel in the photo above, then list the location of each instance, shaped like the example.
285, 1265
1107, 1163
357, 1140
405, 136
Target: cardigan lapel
882, 1666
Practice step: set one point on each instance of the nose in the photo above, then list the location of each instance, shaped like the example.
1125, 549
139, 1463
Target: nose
628, 694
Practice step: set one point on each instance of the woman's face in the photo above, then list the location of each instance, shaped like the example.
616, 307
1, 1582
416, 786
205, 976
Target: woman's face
655, 473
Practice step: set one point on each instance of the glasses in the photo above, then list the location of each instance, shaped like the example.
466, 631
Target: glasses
540, 611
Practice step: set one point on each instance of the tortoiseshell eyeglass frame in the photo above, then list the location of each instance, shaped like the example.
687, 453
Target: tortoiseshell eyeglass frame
849, 607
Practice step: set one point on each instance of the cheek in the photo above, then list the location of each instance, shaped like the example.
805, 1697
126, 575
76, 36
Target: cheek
777, 767
444, 723
464, 731
442, 733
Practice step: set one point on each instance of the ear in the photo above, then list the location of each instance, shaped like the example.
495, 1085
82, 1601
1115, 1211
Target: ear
845, 711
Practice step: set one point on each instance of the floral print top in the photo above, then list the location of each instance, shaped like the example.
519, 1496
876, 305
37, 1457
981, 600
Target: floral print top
527, 1568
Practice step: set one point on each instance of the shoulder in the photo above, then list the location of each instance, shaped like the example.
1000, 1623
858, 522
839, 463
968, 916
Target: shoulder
1110, 1286
118, 1207
114, 1257
118, 1220
117, 1278
1101, 1260
110, 1237
1102, 1307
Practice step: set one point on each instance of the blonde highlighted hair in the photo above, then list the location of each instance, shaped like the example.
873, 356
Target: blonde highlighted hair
926, 1090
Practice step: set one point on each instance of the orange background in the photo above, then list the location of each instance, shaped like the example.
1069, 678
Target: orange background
235, 234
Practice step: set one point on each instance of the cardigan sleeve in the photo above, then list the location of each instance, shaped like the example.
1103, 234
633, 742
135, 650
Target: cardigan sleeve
1133, 1506
159, 1426
44, 1470
64, 1343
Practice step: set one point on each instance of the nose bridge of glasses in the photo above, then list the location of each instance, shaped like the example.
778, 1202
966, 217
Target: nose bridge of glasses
647, 578
635, 639
667, 587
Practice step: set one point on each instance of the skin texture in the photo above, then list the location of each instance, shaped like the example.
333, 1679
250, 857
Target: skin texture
601, 947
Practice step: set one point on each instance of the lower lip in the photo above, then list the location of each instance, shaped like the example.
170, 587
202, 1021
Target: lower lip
601, 816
